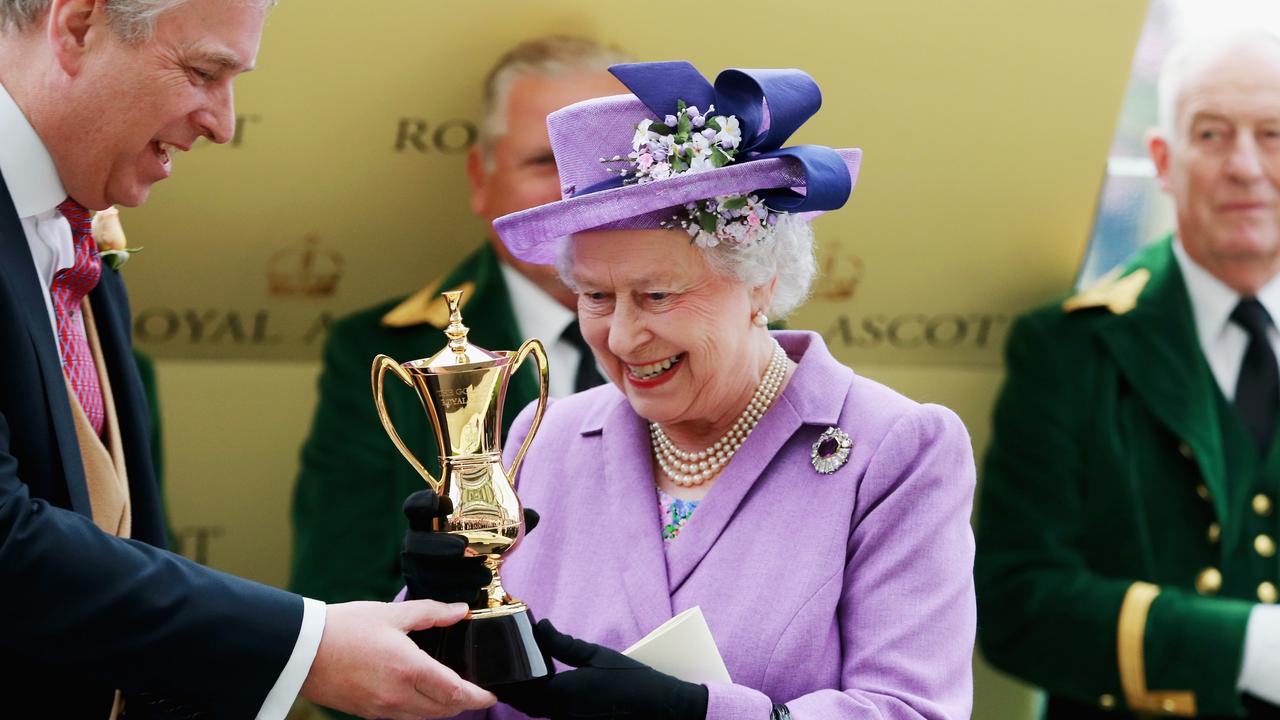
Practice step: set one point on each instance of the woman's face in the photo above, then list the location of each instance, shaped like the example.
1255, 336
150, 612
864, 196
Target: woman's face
674, 335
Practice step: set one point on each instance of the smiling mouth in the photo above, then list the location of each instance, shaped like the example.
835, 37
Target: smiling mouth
164, 151
653, 370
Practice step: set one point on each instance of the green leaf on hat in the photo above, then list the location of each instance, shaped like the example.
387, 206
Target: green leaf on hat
737, 202
707, 221
719, 158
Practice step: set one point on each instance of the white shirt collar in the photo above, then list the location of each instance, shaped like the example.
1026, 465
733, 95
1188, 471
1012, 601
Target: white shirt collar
28, 169
1212, 301
538, 315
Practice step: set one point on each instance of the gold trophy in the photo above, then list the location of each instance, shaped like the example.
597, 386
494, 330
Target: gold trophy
462, 388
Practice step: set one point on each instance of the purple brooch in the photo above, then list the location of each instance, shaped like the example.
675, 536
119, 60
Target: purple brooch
830, 451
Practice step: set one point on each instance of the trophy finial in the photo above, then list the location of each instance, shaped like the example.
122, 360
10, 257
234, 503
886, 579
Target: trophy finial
456, 332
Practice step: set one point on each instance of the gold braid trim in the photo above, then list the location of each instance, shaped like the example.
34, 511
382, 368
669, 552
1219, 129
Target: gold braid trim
1130, 638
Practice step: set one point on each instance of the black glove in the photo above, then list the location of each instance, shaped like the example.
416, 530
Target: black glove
432, 563
606, 684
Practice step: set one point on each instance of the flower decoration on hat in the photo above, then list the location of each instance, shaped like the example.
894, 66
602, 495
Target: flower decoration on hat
769, 105
693, 141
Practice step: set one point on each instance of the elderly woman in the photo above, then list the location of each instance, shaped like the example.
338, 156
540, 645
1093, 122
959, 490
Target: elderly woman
818, 518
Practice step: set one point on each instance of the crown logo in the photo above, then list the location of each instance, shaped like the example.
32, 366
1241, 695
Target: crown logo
307, 270
839, 273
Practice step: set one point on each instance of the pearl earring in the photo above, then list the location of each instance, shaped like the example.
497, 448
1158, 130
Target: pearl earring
760, 319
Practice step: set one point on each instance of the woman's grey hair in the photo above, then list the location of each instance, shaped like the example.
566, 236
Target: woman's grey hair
786, 252
551, 56
133, 20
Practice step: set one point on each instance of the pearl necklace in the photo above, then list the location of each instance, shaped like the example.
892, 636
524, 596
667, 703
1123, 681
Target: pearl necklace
689, 469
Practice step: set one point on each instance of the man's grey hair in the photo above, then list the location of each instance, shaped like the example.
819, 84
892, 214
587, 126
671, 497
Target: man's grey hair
133, 20
785, 252
1191, 54
551, 56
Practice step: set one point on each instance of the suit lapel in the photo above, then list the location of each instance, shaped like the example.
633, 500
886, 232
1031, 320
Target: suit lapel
18, 270
1157, 351
717, 509
499, 329
814, 396
112, 320
633, 512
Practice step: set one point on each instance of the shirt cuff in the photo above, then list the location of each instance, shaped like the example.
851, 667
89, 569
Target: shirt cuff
1260, 669
287, 686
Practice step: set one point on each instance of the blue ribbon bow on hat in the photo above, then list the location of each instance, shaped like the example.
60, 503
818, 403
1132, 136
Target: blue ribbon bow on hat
770, 105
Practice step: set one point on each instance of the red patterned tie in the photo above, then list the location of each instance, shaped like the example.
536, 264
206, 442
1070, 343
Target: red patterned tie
68, 289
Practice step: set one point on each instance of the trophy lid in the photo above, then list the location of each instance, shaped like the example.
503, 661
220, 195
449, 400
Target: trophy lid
459, 351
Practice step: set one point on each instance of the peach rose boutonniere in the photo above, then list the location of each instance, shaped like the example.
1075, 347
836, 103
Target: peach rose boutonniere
109, 234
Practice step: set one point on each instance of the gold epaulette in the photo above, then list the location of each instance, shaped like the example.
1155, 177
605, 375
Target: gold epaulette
1115, 292
427, 306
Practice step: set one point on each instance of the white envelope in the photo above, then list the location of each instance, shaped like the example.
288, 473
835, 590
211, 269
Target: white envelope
682, 647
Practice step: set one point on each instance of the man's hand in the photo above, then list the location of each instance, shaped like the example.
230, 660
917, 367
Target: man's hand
367, 666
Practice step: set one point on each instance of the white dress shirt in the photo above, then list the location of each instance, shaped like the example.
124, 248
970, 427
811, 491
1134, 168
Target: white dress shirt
538, 315
37, 191
1222, 341
1223, 344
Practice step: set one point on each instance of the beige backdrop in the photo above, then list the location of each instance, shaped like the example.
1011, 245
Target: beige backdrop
985, 126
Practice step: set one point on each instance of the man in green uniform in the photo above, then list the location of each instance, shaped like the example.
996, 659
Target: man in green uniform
348, 523
1126, 543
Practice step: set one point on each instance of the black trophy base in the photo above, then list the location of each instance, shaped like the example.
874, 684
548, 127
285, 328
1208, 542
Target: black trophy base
490, 649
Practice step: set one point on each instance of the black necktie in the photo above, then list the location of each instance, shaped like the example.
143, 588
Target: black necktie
1258, 389
588, 376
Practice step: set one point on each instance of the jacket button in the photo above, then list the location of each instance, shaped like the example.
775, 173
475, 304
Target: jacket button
1107, 701
1185, 450
1262, 504
1203, 491
1267, 592
1215, 532
1264, 546
1209, 581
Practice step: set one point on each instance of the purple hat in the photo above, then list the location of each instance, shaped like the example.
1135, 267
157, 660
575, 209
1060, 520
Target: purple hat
663, 157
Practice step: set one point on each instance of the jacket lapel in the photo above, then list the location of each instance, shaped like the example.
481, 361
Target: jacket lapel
717, 509
112, 319
814, 396
495, 328
18, 270
634, 514
1157, 351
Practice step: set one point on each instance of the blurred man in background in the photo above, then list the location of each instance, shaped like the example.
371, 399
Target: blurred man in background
96, 619
1126, 537
348, 523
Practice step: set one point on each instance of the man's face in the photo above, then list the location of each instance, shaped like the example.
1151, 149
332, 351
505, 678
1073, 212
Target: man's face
1222, 165
522, 172
150, 100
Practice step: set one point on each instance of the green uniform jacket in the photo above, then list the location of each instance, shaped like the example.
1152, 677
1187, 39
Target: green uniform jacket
347, 517
1116, 565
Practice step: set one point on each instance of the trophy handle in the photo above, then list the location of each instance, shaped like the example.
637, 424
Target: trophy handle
534, 346
381, 364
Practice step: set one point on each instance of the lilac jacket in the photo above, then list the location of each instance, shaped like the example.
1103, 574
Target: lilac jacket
847, 595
